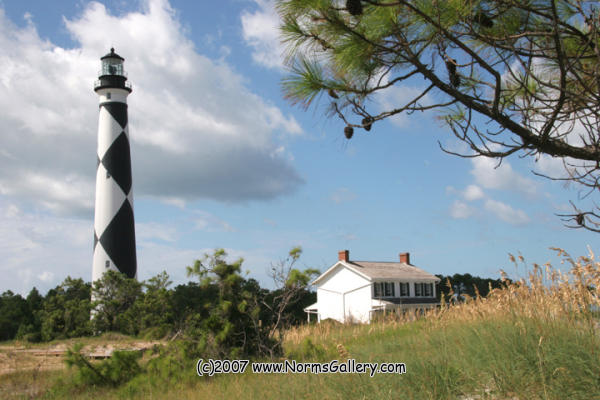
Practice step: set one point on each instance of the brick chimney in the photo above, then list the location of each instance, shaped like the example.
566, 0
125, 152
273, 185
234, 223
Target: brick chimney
405, 258
344, 255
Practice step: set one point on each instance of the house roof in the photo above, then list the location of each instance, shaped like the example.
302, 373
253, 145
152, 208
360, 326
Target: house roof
391, 270
380, 271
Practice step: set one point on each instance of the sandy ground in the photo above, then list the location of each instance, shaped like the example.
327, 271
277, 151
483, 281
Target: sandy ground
15, 358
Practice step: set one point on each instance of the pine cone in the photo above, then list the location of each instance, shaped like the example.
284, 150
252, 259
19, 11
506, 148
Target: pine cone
348, 132
354, 7
367, 123
454, 77
483, 19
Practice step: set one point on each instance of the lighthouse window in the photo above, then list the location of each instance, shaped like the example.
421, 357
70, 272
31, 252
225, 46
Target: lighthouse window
107, 264
108, 95
112, 67
107, 175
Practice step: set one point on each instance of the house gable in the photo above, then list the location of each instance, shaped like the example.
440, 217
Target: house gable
341, 278
334, 269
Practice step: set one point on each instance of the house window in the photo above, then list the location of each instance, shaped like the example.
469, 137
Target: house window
378, 289
404, 291
424, 289
384, 289
389, 289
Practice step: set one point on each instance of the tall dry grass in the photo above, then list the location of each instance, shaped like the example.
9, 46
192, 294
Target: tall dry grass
545, 293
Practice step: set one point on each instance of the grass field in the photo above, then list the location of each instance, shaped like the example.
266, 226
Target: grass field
534, 339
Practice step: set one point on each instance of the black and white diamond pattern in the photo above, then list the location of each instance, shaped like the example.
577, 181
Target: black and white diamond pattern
114, 231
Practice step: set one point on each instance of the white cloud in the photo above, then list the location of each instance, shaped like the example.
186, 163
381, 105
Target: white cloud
461, 210
501, 178
41, 250
552, 167
506, 213
38, 250
149, 231
208, 222
261, 32
46, 276
196, 130
473, 192
174, 201
68, 194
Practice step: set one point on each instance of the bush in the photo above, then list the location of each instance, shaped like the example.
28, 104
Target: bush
307, 350
156, 332
114, 371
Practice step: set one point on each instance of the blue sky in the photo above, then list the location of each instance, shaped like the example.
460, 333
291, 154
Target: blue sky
220, 159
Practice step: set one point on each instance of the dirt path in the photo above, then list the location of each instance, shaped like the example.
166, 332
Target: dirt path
17, 358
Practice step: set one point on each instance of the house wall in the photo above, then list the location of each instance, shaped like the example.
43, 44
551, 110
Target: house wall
358, 304
344, 295
330, 305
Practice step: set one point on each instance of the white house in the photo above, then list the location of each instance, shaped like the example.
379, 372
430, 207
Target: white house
357, 290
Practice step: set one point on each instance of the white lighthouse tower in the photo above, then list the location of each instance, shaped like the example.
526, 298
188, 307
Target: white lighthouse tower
114, 231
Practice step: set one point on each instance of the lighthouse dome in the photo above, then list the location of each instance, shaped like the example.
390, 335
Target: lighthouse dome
112, 54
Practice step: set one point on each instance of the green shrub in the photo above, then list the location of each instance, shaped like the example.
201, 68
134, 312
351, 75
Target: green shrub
121, 367
156, 332
307, 350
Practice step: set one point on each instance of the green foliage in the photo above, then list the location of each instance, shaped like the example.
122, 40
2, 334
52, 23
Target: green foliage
31, 330
224, 314
13, 312
66, 311
20, 317
229, 328
189, 300
114, 297
34, 300
174, 364
301, 279
233, 316
116, 370
155, 307
465, 284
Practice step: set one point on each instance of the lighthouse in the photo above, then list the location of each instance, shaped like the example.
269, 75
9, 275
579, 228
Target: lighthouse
114, 230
